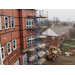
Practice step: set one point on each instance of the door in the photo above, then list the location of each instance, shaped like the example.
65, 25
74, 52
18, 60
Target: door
24, 59
17, 62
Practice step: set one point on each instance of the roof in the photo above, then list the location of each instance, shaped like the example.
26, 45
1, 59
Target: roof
50, 32
57, 31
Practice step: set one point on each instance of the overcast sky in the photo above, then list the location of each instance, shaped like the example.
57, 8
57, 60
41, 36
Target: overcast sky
62, 14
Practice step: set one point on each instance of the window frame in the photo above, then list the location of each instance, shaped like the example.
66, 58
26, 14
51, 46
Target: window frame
7, 21
29, 41
29, 23
15, 44
53, 38
0, 23
11, 22
3, 53
7, 47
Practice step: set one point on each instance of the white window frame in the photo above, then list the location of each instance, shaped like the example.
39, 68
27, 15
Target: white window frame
3, 53
32, 21
27, 26
29, 20
26, 41
11, 22
7, 21
0, 23
30, 41
7, 47
13, 45
53, 38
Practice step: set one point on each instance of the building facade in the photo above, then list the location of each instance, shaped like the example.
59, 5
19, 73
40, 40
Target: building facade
57, 35
14, 34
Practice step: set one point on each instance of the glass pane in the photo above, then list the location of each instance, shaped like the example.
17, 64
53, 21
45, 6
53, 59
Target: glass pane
32, 22
30, 43
14, 42
6, 25
12, 19
8, 45
8, 50
32, 26
2, 56
12, 24
30, 36
14, 46
6, 18
2, 50
26, 26
27, 22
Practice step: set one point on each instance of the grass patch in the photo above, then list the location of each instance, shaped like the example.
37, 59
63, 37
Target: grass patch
69, 42
73, 37
64, 47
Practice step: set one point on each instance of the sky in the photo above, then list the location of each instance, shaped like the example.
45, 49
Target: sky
62, 14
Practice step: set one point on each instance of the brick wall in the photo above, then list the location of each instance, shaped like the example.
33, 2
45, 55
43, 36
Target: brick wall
10, 34
57, 41
19, 33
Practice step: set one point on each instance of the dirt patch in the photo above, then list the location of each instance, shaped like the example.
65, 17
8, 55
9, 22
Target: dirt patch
62, 60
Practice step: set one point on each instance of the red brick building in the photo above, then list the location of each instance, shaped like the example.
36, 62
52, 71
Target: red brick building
55, 36
14, 34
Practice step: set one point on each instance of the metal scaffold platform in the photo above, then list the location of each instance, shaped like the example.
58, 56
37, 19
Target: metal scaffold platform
37, 55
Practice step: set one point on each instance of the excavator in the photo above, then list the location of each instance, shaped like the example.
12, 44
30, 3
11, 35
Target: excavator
52, 53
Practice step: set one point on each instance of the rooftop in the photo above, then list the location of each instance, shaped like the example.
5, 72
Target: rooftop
56, 31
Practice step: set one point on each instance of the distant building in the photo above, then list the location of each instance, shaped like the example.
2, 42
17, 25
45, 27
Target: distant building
55, 36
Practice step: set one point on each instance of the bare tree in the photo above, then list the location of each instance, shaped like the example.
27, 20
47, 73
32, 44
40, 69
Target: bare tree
64, 24
72, 32
55, 20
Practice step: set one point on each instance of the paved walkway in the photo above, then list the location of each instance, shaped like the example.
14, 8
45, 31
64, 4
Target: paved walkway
69, 45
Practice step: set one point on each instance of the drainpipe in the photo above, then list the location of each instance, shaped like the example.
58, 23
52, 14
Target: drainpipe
1, 62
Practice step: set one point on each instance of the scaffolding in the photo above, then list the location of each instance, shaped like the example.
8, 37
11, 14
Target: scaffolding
37, 55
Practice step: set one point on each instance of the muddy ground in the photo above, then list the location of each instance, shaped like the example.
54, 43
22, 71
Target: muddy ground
62, 60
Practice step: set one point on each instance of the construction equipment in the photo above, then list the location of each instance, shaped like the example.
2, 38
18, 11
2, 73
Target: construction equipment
52, 53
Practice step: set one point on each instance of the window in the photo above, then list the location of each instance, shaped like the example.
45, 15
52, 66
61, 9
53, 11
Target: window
53, 38
12, 22
29, 42
2, 51
32, 40
29, 23
0, 23
6, 22
8, 48
14, 44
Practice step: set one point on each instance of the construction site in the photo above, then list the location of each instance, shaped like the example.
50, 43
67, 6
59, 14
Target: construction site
24, 32
27, 39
